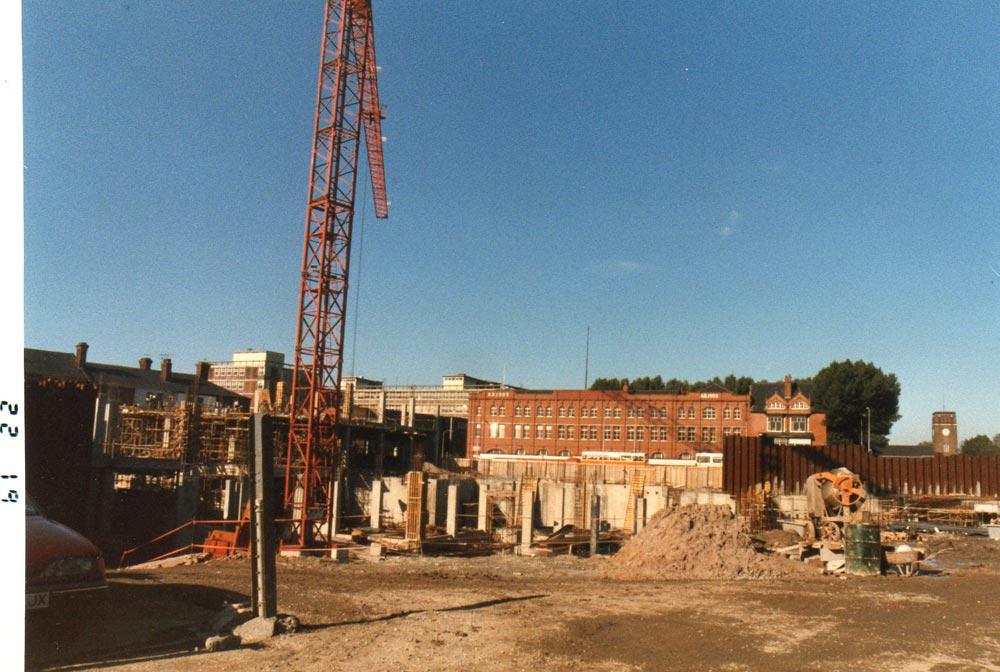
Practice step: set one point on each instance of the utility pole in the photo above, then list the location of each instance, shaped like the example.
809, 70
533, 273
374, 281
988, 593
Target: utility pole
264, 598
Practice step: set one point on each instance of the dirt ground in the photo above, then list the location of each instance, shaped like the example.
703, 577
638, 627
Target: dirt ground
514, 613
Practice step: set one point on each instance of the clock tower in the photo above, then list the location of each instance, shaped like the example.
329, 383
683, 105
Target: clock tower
944, 433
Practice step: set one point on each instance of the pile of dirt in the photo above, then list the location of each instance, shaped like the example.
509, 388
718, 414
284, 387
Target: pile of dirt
693, 542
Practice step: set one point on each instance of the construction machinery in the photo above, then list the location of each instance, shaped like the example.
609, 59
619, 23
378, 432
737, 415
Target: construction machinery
347, 105
833, 498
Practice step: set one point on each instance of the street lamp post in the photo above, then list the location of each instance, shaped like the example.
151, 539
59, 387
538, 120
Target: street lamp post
869, 410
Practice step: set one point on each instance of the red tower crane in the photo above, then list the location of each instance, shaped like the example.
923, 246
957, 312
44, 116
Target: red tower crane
347, 100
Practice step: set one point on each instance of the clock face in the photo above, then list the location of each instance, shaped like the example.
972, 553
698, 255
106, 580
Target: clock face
946, 431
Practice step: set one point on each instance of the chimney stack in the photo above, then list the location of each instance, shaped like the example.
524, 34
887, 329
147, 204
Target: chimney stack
81, 354
165, 369
145, 363
788, 386
201, 371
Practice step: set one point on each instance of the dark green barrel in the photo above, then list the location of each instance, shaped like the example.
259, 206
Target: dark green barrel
863, 549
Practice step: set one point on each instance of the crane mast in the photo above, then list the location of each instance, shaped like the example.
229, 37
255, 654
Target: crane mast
347, 102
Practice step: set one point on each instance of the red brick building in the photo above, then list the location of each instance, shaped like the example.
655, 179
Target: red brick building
569, 422
784, 412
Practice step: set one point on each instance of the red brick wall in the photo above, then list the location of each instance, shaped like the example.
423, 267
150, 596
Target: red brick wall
617, 424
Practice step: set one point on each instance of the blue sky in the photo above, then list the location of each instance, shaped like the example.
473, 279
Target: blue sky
758, 188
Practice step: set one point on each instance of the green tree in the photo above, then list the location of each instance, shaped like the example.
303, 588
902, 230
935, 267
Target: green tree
608, 383
980, 445
844, 390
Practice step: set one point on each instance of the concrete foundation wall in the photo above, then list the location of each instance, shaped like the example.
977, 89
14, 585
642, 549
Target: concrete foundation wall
555, 503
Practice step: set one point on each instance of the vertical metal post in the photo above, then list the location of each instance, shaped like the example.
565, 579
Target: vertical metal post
262, 530
595, 522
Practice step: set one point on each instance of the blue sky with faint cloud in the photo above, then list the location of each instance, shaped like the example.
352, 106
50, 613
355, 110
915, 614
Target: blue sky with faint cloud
758, 188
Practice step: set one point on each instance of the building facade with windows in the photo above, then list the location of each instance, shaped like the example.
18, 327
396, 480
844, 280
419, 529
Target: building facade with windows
253, 372
569, 422
784, 412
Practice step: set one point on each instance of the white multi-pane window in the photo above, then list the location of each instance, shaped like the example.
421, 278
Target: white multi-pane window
681, 434
681, 413
737, 413
548, 412
517, 431
562, 411
775, 423
593, 432
664, 433
503, 409
561, 431
493, 430
800, 405
630, 433
708, 413
640, 433
607, 411
616, 433
737, 431
691, 434
654, 412
539, 431
607, 433
727, 413
493, 410
502, 430
517, 411
630, 412
618, 412
708, 434
691, 412
570, 432
571, 411
800, 423
540, 412
653, 435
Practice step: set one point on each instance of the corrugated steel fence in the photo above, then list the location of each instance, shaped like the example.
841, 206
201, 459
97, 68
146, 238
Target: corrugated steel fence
751, 461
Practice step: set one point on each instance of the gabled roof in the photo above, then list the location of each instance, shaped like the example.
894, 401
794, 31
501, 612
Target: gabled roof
56, 365
761, 392
62, 366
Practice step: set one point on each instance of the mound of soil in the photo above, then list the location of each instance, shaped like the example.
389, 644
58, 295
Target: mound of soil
693, 542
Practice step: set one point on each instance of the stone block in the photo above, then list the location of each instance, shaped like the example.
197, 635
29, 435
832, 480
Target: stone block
257, 630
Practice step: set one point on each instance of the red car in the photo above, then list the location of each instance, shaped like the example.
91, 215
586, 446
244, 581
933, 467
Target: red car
62, 565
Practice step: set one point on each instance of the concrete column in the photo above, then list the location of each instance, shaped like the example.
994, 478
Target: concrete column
231, 496
640, 514
381, 407
481, 521
375, 504
527, 517
432, 501
412, 414
451, 521
187, 506
436, 451
335, 509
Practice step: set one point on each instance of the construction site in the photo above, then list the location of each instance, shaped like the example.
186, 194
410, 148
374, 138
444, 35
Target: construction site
321, 525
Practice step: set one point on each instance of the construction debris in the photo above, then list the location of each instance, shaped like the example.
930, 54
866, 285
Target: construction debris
693, 542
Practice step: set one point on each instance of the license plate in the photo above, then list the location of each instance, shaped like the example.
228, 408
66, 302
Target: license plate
37, 601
